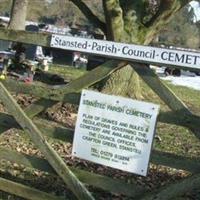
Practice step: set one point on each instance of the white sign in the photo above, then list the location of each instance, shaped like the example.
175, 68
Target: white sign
139, 53
115, 131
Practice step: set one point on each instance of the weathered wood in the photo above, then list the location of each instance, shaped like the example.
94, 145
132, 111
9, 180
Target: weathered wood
182, 187
105, 183
176, 161
69, 92
42, 104
168, 96
99, 181
41, 39
38, 106
92, 77
54, 131
53, 158
73, 95
47, 129
163, 91
25, 191
189, 121
93, 19
159, 158
38, 90
59, 132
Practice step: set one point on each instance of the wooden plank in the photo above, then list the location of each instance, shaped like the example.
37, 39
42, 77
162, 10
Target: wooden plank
35, 134
159, 158
70, 92
105, 183
99, 181
177, 189
160, 88
25, 191
168, 96
176, 161
57, 131
190, 121
40, 39
185, 117
93, 76
43, 39
38, 106
42, 104
54, 131
37, 90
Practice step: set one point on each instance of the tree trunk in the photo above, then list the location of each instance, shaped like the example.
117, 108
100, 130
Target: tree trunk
17, 22
18, 14
124, 82
136, 22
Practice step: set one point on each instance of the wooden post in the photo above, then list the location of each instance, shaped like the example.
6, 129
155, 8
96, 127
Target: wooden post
53, 158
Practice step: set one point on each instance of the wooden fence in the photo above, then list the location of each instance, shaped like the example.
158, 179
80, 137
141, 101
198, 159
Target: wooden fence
75, 179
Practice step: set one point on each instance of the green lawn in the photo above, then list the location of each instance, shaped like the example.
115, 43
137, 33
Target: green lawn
177, 139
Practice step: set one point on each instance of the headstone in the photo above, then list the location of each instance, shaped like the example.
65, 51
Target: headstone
4, 45
31, 49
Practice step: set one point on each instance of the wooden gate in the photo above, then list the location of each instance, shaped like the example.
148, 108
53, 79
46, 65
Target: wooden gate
77, 180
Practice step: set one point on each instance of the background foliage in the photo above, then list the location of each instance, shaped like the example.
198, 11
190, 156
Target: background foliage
63, 12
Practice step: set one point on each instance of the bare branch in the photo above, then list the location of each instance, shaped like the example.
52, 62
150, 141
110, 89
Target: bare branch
166, 8
89, 14
114, 19
164, 14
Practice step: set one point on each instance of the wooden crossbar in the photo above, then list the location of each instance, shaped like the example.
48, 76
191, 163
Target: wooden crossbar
159, 158
99, 181
168, 96
25, 191
178, 189
103, 182
44, 39
71, 93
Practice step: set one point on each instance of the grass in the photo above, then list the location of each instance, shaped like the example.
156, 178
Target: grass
174, 139
66, 71
189, 96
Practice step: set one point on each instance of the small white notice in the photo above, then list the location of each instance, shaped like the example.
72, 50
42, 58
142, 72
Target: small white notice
115, 131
